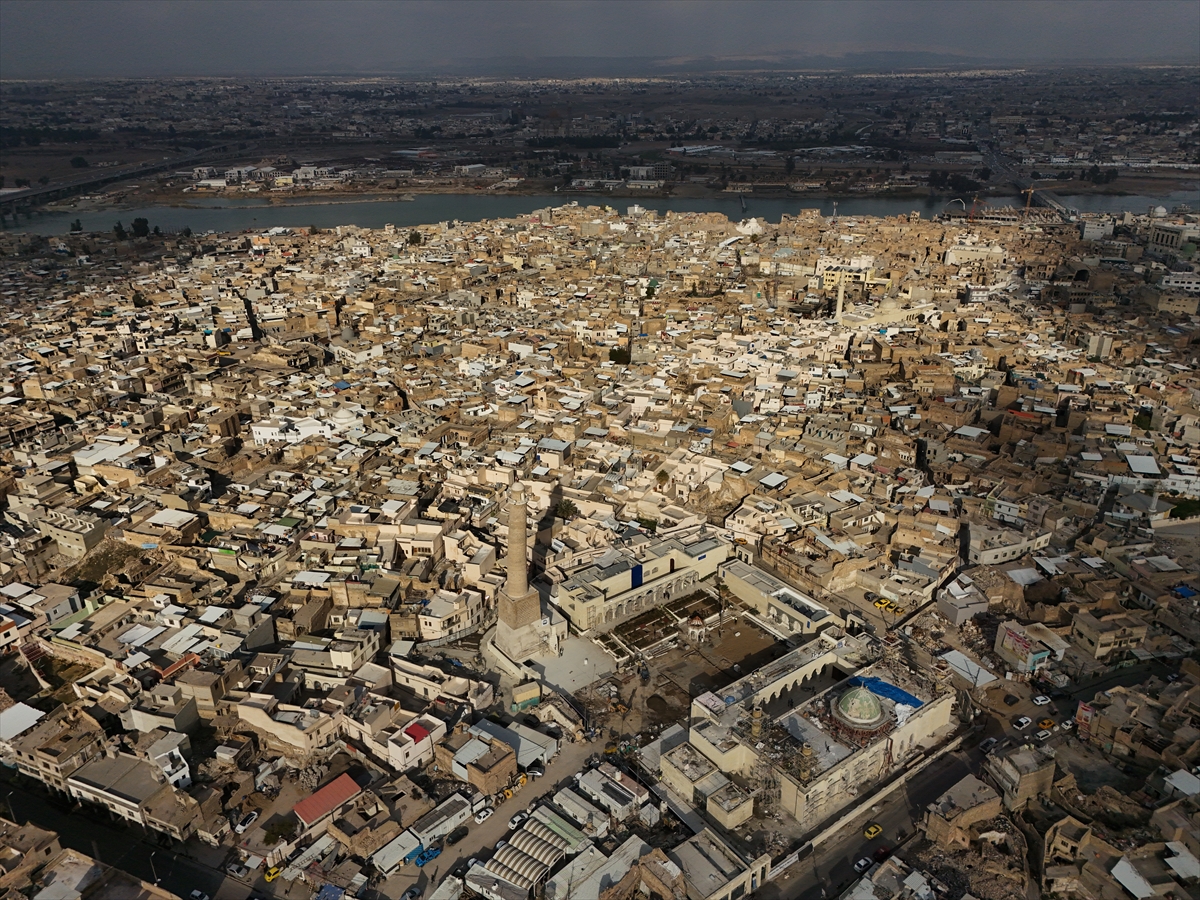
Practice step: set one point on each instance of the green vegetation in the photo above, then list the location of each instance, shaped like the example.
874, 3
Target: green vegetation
566, 509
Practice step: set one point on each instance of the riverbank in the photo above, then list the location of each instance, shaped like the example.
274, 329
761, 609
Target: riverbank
120, 200
229, 214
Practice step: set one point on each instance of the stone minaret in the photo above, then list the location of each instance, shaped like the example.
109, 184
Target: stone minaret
519, 608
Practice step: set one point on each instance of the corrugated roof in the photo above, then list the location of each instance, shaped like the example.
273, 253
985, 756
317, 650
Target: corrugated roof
327, 799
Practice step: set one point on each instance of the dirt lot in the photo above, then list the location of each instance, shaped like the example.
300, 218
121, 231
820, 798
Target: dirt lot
725, 654
1091, 769
108, 557
16, 680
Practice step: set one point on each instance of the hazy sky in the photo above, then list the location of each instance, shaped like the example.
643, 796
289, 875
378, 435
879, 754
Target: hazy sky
49, 38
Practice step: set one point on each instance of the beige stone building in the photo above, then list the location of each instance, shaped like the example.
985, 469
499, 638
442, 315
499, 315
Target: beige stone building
948, 819
811, 759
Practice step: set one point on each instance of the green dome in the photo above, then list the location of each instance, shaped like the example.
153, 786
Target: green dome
859, 707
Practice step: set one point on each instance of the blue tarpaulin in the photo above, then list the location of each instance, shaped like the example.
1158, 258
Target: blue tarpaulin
883, 689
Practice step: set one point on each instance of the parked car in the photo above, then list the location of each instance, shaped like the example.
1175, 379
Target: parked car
483, 815
515, 821
882, 853
1011, 699
273, 873
237, 871
1043, 735
862, 865
247, 820
1022, 723
872, 831
413, 893
198, 895
881, 602
1067, 724
1046, 724
428, 855
456, 835
536, 770
1041, 700
988, 746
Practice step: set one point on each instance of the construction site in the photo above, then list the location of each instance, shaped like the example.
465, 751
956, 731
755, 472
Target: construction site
688, 655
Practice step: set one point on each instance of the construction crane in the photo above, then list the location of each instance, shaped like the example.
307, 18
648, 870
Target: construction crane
978, 204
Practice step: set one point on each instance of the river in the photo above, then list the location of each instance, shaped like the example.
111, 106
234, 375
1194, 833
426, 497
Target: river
238, 214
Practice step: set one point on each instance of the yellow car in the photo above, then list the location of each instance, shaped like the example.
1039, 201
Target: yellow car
900, 611
882, 602
1046, 724
872, 831
890, 606
273, 873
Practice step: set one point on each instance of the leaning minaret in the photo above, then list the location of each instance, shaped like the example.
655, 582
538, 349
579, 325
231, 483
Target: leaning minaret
519, 608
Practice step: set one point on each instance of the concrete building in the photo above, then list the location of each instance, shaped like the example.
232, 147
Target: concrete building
135, 790
948, 819
641, 573
712, 870
1021, 775
1028, 648
1109, 637
777, 601
165, 706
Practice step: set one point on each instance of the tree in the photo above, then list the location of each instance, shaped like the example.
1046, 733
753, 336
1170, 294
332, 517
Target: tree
78, 162
119, 231
76, 226
45, 179
414, 238
566, 509
662, 477
619, 355
141, 227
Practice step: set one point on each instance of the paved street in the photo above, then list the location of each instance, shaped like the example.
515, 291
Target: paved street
127, 847
830, 867
821, 875
482, 838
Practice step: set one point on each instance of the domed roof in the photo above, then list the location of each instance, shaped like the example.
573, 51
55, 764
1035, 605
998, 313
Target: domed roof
858, 706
